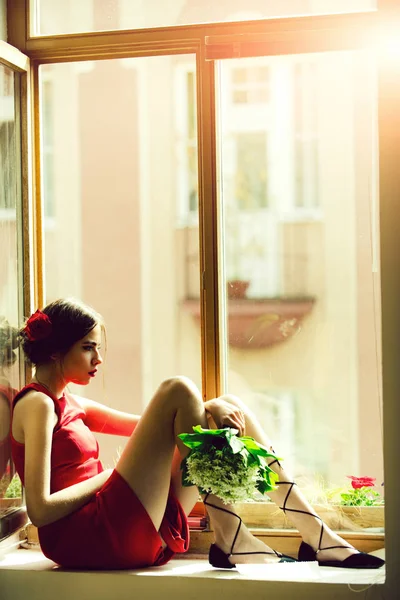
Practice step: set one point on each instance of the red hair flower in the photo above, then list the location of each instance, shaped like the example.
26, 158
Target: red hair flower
38, 326
359, 482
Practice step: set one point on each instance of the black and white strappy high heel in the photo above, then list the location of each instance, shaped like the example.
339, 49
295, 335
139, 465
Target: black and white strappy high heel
360, 560
219, 559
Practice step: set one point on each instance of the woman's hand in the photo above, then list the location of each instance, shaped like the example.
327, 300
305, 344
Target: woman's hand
226, 414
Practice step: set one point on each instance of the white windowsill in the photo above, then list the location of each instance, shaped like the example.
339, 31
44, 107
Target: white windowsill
27, 573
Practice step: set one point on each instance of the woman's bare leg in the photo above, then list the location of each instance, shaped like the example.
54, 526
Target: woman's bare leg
309, 524
147, 459
187, 495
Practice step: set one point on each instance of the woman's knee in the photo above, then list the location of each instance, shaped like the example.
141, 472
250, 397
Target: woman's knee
179, 388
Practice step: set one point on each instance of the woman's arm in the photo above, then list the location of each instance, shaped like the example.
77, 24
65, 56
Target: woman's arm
103, 419
35, 414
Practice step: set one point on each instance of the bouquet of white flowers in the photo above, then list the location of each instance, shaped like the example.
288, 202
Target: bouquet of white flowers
233, 468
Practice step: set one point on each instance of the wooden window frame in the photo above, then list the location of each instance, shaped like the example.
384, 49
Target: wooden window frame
229, 40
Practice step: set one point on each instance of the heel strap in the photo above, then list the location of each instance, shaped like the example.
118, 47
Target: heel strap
333, 548
229, 513
284, 508
305, 512
273, 553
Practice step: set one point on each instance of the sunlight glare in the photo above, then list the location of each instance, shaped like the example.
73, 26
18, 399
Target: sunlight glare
392, 48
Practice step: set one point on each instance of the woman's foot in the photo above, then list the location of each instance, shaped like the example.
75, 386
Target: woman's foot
339, 554
320, 543
234, 544
329, 546
247, 548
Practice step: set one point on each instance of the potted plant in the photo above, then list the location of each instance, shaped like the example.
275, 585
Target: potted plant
356, 509
351, 508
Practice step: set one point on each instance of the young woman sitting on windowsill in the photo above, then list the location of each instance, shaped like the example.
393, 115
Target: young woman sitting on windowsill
134, 515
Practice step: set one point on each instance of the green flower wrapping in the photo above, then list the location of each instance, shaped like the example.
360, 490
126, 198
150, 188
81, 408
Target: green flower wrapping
233, 468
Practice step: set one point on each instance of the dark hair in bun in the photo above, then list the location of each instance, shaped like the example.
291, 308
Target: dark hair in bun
56, 328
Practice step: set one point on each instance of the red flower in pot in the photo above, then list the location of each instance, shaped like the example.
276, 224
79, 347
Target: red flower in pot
360, 482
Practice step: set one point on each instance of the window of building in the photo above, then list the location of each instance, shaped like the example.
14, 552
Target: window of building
250, 85
7, 139
251, 188
306, 140
48, 190
185, 120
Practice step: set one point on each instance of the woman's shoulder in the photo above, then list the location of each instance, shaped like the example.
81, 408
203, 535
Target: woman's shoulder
34, 407
32, 393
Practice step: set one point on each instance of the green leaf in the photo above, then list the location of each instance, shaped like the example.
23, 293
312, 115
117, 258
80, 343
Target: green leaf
236, 444
212, 443
206, 437
213, 432
189, 441
251, 444
263, 487
185, 474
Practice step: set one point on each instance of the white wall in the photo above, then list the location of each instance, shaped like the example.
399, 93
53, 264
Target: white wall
3, 20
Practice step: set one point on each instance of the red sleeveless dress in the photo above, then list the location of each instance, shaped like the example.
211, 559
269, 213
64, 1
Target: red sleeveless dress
112, 530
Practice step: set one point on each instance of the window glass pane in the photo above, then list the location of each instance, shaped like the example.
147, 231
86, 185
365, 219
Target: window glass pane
73, 16
299, 194
121, 229
10, 316
251, 169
